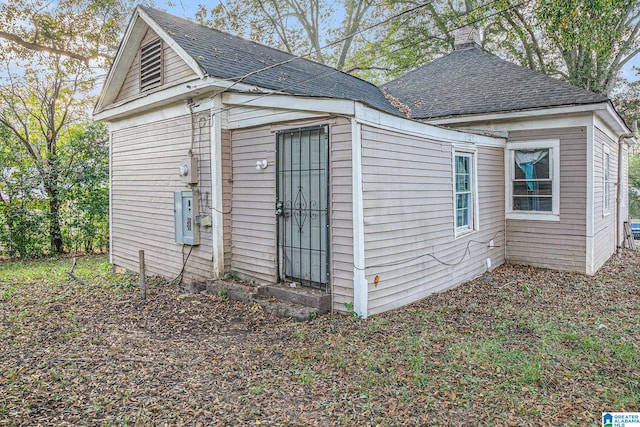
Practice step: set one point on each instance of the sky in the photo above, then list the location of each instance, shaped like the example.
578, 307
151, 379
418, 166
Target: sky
187, 9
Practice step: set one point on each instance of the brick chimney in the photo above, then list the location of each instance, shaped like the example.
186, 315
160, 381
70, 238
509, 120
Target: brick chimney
465, 37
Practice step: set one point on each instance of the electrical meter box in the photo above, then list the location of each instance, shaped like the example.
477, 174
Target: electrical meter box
186, 209
189, 170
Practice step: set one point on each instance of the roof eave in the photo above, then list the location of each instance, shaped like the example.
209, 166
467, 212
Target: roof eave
124, 57
603, 108
167, 95
121, 63
195, 66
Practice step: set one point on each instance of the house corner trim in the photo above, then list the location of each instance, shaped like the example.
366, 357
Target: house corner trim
360, 285
110, 197
590, 243
216, 187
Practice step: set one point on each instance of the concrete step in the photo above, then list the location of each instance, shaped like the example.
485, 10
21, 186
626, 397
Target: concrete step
298, 304
318, 300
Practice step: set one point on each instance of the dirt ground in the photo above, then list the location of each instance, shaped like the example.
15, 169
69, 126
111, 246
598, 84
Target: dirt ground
520, 346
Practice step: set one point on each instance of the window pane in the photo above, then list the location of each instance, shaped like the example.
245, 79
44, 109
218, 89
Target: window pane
462, 201
462, 183
462, 164
463, 191
462, 210
463, 175
532, 184
606, 193
533, 203
530, 164
540, 188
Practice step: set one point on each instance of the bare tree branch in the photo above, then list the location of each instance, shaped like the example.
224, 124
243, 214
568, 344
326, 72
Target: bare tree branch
50, 49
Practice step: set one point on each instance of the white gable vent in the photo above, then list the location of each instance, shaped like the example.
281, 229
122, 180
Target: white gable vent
151, 65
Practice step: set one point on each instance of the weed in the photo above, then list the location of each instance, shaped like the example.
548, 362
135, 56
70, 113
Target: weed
305, 378
299, 333
223, 294
71, 333
352, 312
259, 389
8, 292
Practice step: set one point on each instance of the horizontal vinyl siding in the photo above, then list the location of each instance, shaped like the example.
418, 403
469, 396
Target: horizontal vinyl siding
556, 244
174, 69
145, 161
604, 225
253, 195
131, 85
227, 180
341, 221
409, 213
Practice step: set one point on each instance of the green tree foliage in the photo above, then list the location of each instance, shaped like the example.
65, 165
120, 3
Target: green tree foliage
594, 38
301, 27
52, 57
634, 186
627, 100
584, 42
54, 188
85, 30
22, 212
85, 188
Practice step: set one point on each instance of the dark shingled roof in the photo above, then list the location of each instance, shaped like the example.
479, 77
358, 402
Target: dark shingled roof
230, 57
472, 81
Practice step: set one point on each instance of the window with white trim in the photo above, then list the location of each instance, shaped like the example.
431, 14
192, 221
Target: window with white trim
606, 181
533, 183
464, 189
151, 65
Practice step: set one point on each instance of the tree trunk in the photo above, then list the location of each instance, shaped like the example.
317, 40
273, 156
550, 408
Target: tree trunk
55, 230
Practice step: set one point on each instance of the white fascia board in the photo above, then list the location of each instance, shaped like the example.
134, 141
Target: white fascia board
146, 101
280, 118
614, 120
188, 88
379, 119
151, 116
520, 114
290, 102
172, 43
605, 126
360, 284
590, 210
532, 123
122, 61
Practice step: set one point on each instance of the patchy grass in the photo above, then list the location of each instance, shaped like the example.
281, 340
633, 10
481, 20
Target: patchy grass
523, 346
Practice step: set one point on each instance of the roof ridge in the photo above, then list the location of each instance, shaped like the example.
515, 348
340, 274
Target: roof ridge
473, 81
292, 56
505, 62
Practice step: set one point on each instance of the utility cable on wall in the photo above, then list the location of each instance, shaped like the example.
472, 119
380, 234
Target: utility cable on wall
467, 251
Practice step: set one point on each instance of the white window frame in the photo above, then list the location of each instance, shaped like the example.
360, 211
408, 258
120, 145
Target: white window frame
471, 153
554, 164
606, 180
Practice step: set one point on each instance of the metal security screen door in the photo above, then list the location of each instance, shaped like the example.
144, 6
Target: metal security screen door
302, 206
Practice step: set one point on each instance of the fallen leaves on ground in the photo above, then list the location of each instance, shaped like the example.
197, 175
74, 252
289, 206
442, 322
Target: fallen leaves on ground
519, 346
